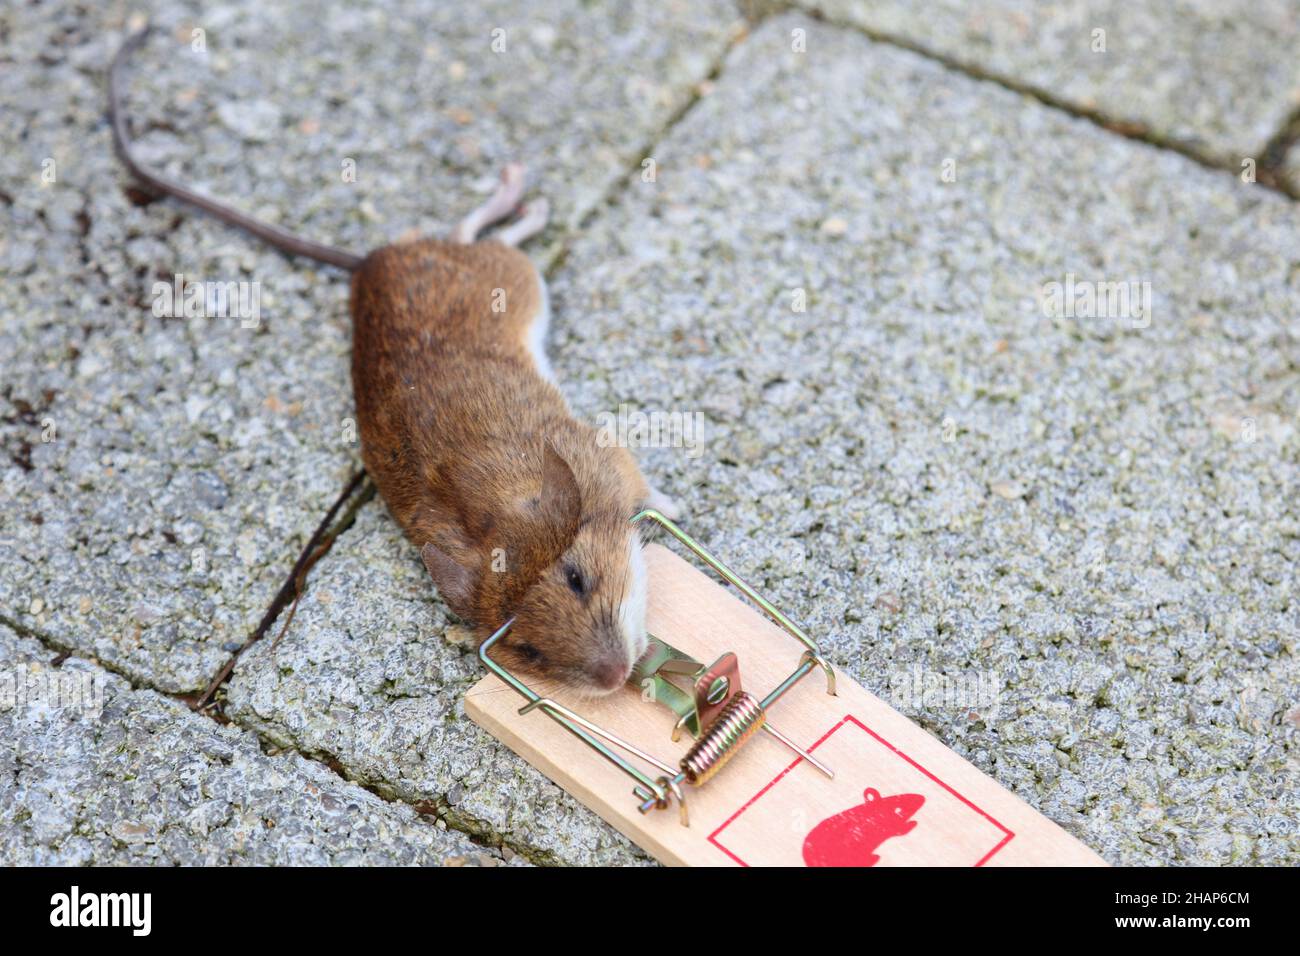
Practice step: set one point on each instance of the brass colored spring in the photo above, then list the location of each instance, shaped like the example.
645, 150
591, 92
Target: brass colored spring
739, 720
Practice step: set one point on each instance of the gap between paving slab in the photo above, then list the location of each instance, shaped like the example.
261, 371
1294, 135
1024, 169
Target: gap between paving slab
435, 809
1270, 168
316, 549
93, 771
328, 531
1283, 154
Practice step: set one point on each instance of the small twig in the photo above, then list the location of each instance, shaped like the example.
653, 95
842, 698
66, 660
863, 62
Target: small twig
300, 581
293, 585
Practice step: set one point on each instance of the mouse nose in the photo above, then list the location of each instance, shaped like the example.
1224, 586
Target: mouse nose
610, 672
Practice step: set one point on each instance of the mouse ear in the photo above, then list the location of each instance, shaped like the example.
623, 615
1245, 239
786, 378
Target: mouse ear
560, 502
454, 581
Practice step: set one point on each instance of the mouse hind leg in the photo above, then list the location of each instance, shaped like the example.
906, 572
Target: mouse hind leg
533, 221
500, 205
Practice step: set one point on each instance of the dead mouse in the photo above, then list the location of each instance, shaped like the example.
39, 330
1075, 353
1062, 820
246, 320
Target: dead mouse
517, 509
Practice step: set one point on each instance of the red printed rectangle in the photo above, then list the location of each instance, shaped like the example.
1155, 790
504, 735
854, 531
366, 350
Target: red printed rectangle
880, 817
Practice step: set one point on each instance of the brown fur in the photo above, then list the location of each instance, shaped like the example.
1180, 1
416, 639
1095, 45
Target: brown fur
455, 421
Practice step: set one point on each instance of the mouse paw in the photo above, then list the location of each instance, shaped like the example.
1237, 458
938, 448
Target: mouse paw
666, 506
503, 201
532, 220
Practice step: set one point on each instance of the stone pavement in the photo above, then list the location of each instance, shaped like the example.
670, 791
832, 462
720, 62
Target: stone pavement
134, 777
841, 263
1217, 77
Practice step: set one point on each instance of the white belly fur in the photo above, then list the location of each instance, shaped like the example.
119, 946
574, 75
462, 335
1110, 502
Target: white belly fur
536, 338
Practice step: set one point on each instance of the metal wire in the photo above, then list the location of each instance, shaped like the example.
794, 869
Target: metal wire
739, 720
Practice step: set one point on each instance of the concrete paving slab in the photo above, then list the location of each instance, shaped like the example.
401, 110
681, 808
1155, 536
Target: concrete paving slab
1220, 77
161, 473
95, 773
1061, 538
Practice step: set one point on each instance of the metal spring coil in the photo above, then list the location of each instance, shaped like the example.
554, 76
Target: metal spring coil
739, 720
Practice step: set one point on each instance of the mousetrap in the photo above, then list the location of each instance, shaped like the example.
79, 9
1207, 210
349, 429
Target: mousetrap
735, 742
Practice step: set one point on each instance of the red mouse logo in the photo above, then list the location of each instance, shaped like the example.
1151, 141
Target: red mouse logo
850, 838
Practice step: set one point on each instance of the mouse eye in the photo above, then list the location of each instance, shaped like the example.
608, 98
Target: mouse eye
529, 653
575, 579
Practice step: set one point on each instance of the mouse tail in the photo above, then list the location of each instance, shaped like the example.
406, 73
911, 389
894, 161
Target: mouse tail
280, 238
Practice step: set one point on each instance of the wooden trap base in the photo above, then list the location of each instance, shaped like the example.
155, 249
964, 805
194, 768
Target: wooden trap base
899, 797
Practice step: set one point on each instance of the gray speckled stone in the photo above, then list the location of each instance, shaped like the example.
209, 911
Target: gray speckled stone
370, 675
115, 776
1219, 75
161, 474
